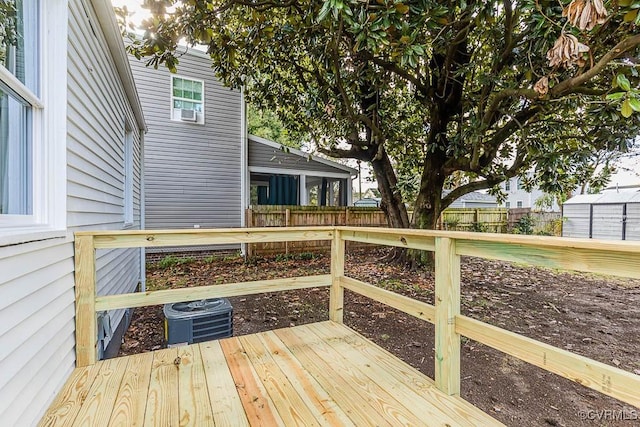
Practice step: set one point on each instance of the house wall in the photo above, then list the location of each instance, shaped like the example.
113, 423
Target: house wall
193, 172
37, 285
528, 199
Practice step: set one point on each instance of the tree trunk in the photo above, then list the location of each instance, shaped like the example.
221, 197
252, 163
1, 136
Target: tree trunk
392, 203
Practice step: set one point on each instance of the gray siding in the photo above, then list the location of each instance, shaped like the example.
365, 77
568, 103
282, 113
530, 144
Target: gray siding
37, 285
192, 172
575, 221
262, 155
98, 112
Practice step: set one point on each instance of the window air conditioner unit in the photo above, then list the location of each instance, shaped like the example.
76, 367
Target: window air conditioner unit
198, 321
188, 115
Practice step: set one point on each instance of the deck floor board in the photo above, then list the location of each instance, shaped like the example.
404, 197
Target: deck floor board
322, 374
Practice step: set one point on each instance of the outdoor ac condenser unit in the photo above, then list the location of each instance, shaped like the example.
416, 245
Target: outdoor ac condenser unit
198, 321
188, 115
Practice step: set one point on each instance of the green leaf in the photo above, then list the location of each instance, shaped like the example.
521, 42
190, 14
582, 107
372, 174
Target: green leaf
635, 104
626, 109
615, 96
623, 82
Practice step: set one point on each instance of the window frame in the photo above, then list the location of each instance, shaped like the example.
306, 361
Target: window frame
128, 176
200, 117
48, 132
507, 185
519, 204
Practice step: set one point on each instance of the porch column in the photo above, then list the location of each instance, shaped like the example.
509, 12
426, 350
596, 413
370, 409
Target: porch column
331, 198
349, 191
304, 194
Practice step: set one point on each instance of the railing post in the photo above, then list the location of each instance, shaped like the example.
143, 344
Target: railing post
336, 293
447, 302
85, 275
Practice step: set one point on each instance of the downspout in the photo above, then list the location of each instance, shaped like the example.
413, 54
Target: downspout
143, 268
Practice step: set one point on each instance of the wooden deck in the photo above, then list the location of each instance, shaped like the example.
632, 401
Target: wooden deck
318, 374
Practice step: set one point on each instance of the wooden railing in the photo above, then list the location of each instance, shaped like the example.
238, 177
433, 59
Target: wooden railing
602, 257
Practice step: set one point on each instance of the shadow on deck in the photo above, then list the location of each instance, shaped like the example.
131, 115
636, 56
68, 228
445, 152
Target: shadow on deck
319, 374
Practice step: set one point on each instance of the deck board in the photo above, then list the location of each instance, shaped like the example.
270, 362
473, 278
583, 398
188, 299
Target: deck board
323, 374
131, 402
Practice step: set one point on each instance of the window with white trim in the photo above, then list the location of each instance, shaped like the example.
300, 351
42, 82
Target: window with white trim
19, 98
128, 176
33, 84
507, 185
519, 203
187, 100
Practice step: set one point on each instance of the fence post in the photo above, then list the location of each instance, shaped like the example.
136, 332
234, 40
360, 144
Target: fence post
336, 293
287, 223
447, 302
86, 323
249, 219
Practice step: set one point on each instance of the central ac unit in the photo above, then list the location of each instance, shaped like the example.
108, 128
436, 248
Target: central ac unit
188, 115
198, 321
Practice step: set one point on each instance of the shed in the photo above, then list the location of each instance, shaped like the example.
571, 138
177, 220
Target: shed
612, 216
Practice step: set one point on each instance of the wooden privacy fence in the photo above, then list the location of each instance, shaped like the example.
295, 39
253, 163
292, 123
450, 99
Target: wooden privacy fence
308, 216
600, 257
481, 219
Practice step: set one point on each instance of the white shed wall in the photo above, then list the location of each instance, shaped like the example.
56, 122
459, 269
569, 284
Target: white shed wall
576, 221
607, 222
633, 222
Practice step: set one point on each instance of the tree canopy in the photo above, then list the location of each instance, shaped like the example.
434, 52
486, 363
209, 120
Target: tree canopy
429, 92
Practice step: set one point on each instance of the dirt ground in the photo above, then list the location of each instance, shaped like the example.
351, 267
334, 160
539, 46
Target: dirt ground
595, 316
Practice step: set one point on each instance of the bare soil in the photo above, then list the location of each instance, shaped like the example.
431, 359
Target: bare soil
595, 316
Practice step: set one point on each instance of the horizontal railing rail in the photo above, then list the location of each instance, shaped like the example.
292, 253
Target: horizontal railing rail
602, 257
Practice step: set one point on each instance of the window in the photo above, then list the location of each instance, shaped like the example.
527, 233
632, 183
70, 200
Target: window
128, 176
33, 96
519, 203
19, 97
507, 185
518, 184
187, 100
508, 205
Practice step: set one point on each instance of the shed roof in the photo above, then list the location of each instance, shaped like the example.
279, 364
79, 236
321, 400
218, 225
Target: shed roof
604, 198
473, 196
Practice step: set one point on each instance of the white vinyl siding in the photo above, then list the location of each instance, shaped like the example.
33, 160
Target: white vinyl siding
37, 284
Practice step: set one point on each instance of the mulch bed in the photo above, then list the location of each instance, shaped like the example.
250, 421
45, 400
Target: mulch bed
591, 315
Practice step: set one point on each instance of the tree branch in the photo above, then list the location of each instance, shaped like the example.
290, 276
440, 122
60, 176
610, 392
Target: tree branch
569, 85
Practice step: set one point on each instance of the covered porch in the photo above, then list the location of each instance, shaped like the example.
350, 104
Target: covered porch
281, 175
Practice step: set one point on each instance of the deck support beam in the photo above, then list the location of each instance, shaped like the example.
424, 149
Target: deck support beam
447, 302
336, 294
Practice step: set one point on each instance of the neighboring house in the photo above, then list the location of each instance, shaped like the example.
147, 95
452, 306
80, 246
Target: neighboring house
473, 200
286, 176
518, 197
610, 215
202, 170
70, 159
